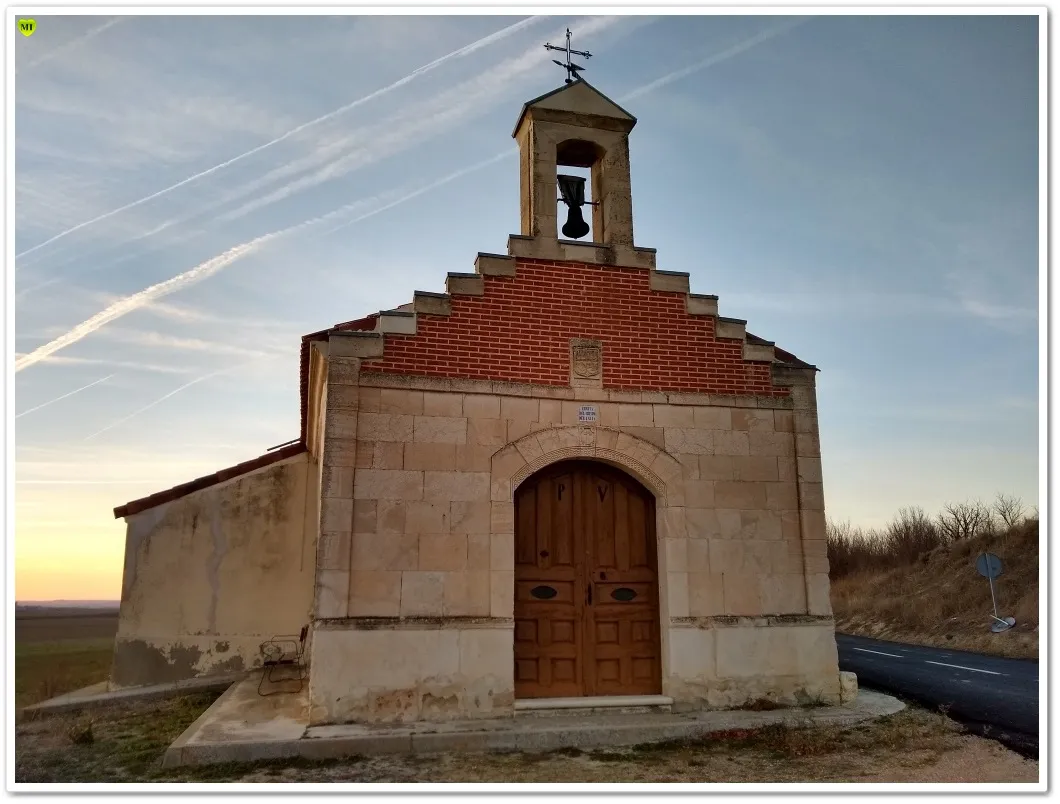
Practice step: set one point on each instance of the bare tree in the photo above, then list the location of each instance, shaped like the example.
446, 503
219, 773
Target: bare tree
964, 520
1009, 510
910, 535
852, 549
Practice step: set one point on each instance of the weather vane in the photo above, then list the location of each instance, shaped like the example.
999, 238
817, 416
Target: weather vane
571, 68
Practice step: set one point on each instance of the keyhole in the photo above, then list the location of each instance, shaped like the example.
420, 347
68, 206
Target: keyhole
544, 553
603, 576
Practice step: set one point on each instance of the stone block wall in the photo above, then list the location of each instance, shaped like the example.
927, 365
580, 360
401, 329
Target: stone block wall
416, 559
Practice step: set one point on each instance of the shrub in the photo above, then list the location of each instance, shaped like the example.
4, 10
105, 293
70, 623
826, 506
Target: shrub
912, 535
80, 733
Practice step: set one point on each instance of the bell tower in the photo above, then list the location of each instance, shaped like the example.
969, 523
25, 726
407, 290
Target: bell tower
576, 126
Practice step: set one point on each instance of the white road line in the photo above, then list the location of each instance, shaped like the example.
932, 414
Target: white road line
880, 652
962, 667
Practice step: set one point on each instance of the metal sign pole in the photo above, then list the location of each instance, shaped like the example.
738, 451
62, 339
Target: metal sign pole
993, 598
990, 566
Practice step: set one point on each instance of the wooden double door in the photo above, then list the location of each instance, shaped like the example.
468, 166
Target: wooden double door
586, 584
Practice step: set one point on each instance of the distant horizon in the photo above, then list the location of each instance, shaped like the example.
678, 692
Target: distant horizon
85, 602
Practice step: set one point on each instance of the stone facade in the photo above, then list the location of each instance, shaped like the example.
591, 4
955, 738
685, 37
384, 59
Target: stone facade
427, 564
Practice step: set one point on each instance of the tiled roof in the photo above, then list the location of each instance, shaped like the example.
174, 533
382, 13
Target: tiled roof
269, 458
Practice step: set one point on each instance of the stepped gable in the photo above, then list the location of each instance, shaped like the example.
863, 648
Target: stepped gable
513, 320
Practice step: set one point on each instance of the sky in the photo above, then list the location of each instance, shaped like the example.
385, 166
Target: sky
194, 195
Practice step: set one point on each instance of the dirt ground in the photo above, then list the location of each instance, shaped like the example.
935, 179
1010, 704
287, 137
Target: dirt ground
126, 744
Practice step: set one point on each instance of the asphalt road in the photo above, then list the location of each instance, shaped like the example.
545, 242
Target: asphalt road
998, 697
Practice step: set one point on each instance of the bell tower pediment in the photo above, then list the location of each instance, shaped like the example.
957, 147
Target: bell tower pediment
578, 97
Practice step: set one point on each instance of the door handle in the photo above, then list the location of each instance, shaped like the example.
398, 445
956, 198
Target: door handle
589, 593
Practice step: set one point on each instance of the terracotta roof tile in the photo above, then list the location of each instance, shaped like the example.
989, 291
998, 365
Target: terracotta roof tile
175, 493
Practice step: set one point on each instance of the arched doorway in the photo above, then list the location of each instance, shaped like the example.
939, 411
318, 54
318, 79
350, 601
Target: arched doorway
586, 584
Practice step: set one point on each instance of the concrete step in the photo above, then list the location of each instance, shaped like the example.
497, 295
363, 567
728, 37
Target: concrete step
242, 726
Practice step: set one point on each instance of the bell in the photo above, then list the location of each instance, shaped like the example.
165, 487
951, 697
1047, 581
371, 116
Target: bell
575, 226
572, 190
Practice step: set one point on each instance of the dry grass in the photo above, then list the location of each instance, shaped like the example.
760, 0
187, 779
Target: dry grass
939, 599
914, 745
46, 669
61, 650
64, 624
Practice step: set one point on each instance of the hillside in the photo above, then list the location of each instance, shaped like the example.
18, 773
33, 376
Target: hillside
939, 599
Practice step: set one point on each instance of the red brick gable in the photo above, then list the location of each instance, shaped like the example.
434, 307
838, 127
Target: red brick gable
519, 330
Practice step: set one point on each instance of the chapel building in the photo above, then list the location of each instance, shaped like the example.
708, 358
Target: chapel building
565, 477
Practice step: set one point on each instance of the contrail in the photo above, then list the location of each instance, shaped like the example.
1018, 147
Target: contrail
403, 129
474, 46
73, 42
215, 264
197, 380
203, 270
137, 300
666, 79
724, 55
21, 294
64, 396
427, 188
175, 391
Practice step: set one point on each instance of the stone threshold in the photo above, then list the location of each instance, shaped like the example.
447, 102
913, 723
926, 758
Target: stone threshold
592, 702
244, 727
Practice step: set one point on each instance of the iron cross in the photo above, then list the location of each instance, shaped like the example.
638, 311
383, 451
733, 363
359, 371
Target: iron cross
571, 68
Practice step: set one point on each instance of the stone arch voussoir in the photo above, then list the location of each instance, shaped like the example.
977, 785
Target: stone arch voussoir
655, 468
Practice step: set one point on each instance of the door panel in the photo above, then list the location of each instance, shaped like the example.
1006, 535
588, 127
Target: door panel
623, 654
548, 590
586, 590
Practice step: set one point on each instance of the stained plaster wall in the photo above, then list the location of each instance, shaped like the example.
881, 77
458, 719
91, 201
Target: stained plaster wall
212, 574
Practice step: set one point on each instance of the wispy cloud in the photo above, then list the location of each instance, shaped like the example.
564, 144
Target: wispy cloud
76, 41
81, 482
426, 188
998, 312
461, 52
717, 58
66, 360
163, 398
185, 314
64, 396
160, 340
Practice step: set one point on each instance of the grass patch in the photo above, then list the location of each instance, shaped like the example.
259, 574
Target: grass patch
46, 669
129, 743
